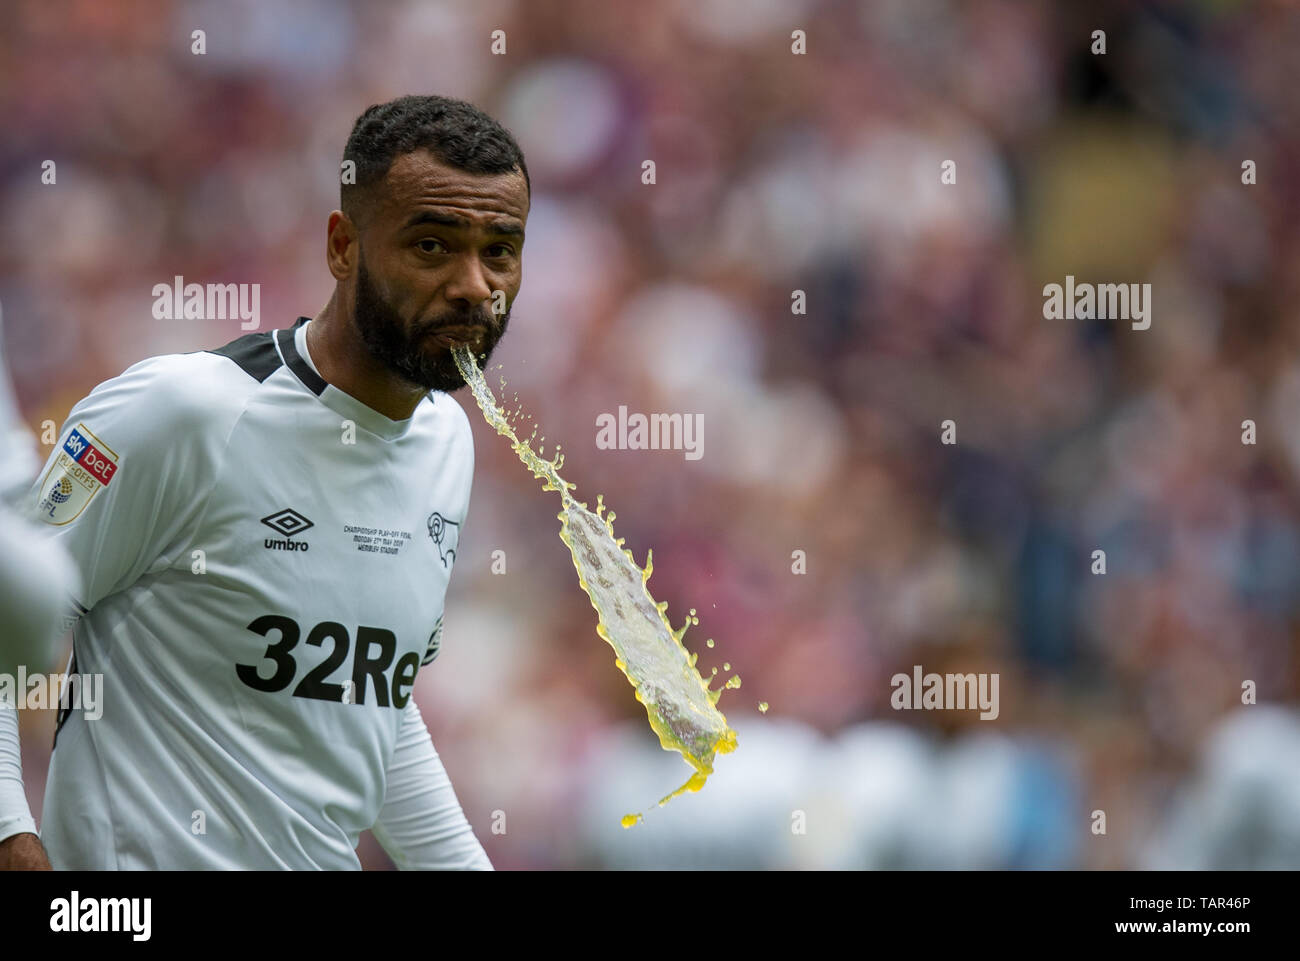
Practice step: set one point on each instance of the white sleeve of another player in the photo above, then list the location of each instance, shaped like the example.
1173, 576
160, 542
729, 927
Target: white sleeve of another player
35, 578
37, 581
422, 826
15, 816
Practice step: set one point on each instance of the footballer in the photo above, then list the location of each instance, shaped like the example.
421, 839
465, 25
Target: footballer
264, 534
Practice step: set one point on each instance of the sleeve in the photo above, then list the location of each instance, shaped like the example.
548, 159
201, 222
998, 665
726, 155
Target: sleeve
127, 478
15, 816
422, 826
36, 580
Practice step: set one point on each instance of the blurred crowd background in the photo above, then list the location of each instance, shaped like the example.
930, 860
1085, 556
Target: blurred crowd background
1119, 693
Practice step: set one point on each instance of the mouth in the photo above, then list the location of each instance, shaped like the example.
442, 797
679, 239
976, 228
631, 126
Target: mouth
449, 337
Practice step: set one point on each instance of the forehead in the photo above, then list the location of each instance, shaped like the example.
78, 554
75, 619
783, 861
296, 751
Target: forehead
418, 181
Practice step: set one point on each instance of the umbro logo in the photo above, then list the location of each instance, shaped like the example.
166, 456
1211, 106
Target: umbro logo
286, 523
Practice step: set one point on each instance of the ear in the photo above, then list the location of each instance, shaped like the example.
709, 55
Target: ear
341, 245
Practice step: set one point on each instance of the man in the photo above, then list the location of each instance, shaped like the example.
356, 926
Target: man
255, 528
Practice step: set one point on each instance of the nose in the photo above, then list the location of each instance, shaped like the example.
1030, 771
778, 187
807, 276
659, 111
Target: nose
468, 286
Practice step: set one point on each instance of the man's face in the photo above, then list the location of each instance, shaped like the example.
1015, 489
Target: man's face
440, 243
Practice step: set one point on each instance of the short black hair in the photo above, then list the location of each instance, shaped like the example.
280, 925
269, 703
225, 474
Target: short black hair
456, 132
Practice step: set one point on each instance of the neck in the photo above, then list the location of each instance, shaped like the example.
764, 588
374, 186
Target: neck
346, 363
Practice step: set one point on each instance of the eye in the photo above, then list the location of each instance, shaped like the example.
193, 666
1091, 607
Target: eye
505, 250
429, 240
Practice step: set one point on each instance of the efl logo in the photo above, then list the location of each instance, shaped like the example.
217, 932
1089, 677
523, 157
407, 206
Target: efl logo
85, 465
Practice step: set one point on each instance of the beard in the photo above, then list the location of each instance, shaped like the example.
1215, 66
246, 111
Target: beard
403, 349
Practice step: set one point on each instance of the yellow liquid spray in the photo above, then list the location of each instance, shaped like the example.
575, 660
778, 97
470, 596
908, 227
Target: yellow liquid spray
648, 650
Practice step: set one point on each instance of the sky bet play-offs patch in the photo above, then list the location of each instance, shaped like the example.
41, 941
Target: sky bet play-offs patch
85, 465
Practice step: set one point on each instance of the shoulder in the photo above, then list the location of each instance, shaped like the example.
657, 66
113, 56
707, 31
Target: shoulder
161, 424
172, 392
455, 413
447, 417
444, 436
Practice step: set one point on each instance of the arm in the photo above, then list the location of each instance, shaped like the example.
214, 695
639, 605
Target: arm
422, 826
36, 577
19, 847
106, 527
35, 580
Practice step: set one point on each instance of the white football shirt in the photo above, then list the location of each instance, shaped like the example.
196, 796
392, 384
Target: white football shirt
265, 560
